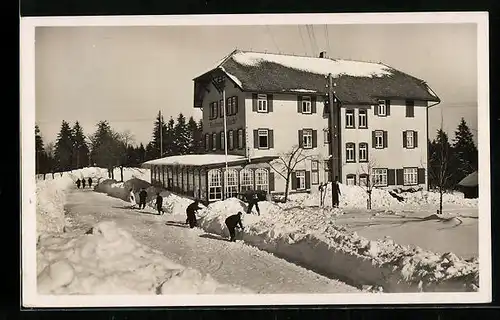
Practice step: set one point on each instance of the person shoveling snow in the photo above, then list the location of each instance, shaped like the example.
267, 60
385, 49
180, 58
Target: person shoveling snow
191, 213
131, 198
159, 203
232, 222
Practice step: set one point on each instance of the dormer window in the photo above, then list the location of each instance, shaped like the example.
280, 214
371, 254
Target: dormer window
262, 103
382, 108
306, 105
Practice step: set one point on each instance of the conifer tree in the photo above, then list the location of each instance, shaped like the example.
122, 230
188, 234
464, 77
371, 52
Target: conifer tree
154, 145
106, 148
141, 153
64, 148
194, 136
40, 158
80, 148
169, 137
181, 136
465, 151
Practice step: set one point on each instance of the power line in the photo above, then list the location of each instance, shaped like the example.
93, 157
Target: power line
272, 38
327, 38
302, 38
314, 37
311, 39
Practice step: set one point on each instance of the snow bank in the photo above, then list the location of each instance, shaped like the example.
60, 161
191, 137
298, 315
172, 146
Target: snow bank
107, 260
307, 235
432, 198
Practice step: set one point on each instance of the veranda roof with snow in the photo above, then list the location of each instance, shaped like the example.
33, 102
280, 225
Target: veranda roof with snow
470, 181
202, 160
356, 81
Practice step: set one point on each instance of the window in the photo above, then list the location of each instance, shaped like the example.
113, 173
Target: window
410, 139
410, 176
362, 119
221, 108
214, 185
349, 118
222, 141
232, 183
379, 139
240, 138
229, 107
306, 105
410, 108
207, 141
381, 108
231, 140
307, 139
190, 180
314, 172
263, 138
379, 177
350, 152
300, 176
261, 179
234, 105
326, 136
328, 173
214, 141
262, 103
363, 180
351, 180
363, 152
246, 180
213, 110
184, 181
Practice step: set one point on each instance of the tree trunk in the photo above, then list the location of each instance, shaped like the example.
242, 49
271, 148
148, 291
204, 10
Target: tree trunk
121, 173
369, 204
440, 200
287, 182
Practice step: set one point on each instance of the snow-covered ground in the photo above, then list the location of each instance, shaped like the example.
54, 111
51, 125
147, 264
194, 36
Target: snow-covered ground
106, 259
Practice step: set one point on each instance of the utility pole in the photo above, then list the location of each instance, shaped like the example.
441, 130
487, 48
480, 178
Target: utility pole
161, 136
225, 138
332, 131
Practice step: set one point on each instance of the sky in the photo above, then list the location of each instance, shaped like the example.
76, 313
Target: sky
126, 75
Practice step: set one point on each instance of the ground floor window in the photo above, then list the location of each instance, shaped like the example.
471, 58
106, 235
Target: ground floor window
262, 179
196, 183
300, 177
351, 179
410, 176
363, 180
184, 180
379, 177
232, 183
190, 180
214, 185
246, 180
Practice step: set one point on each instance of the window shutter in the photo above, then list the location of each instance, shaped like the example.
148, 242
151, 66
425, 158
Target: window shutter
256, 139
375, 109
254, 102
218, 142
216, 114
367, 153
222, 105
391, 179
415, 139
366, 118
385, 139
399, 177
421, 175
404, 139
388, 107
270, 135
313, 104
299, 104
308, 179
244, 139
354, 153
236, 104
301, 139
228, 103
294, 181
374, 143
315, 138
271, 181
269, 103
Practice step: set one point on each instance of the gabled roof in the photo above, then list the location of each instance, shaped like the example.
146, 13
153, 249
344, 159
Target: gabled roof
470, 181
356, 81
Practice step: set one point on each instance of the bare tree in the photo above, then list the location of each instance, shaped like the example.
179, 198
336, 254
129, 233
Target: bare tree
124, 139
286, 164
367, 169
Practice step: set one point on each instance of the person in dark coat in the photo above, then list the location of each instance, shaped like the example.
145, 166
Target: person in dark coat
159, 203
191, 213
90, 182
253, 200
232, 222
142, 198
83, 183
336, 192
78, 182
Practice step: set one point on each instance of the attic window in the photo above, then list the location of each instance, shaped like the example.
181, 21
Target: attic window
382, 108
262, 103
306, 105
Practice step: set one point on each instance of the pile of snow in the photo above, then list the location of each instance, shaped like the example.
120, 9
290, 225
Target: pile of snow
50, 199
107, 260
309, 236
432, 198
322, 66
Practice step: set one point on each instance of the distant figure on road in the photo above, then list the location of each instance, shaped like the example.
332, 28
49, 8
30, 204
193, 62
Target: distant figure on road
322, 189
131, 198
159, 203
191, 213
336, 192
142, 198
232, 222
253, 200
78, 182
90, 182
83, 183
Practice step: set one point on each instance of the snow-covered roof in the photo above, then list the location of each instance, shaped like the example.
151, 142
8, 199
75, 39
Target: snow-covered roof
356, 81
470, 181
199, 160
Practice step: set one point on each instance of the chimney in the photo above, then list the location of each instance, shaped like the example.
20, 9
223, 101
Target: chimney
322, 54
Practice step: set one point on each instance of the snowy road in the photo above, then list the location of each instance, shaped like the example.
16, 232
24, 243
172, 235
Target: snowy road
232, 263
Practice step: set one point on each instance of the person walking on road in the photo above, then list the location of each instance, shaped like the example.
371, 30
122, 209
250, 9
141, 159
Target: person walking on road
232, 222
131, 199
191, 213
159, 203
142, 198
83, 183
253, 200
336, 192
78, 182
90, 182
